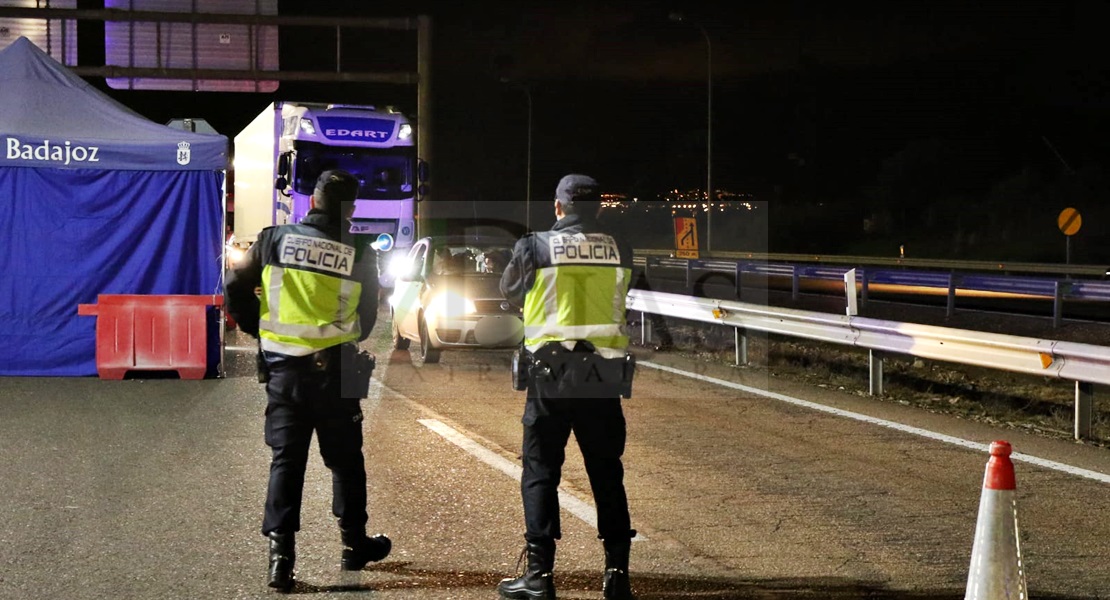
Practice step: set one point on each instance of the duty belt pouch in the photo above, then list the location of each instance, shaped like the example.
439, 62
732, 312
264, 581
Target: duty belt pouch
547, 368
589, 375
356, 367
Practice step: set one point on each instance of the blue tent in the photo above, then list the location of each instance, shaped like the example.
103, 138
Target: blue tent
94, 199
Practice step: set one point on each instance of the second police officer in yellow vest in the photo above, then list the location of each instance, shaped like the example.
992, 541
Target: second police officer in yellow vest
571, 282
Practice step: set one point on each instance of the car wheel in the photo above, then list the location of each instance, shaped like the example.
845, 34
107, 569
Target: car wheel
400, 342
428, 354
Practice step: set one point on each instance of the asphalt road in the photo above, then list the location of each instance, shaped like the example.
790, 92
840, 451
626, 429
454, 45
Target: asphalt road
153, 489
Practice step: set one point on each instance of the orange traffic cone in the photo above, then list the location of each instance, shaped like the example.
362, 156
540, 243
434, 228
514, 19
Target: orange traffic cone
997, 572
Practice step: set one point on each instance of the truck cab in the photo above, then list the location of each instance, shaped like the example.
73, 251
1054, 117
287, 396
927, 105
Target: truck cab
279, 156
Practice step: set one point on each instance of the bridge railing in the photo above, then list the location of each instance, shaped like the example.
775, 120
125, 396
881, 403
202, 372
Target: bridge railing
1085, 364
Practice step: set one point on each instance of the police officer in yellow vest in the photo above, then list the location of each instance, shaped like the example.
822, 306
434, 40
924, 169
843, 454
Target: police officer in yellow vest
572, 282
319, 297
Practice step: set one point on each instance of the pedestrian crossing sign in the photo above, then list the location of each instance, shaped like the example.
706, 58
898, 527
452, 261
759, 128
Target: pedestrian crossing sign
686, 237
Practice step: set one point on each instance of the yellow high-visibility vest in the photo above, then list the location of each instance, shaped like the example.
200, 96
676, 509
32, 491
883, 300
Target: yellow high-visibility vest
579, 292
309, 294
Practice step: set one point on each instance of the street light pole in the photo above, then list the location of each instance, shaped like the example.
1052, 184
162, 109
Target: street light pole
528, 169
680, 18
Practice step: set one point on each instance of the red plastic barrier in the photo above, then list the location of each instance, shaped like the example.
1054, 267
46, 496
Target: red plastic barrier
151, 333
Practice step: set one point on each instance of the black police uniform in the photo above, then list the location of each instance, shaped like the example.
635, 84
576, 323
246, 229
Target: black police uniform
549, 417
551, 413
304, 396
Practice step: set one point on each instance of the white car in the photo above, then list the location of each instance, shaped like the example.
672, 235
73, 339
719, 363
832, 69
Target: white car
447, 295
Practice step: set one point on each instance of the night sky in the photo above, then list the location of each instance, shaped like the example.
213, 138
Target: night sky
975, 123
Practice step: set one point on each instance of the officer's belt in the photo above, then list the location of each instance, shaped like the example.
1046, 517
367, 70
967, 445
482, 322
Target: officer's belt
581, 371
326, 359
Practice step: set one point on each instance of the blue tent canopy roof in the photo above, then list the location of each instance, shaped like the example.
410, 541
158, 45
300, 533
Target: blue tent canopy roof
53, 118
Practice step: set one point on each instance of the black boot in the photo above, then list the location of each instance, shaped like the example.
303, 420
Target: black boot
538, 582
358, 550
282, 558
615, 585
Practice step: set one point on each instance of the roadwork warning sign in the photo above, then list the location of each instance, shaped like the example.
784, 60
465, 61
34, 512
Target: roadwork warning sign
685, 237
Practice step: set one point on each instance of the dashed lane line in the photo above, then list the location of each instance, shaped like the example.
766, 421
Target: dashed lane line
567, 502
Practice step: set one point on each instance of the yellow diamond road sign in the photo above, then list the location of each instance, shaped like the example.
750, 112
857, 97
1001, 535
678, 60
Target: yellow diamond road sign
1069, 221
686, 237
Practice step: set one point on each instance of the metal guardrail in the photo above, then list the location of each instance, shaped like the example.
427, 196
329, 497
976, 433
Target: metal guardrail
950, 283
1096, 271
1086, 364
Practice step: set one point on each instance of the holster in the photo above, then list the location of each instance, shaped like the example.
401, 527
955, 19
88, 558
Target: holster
261, 368
521, 369
356, 368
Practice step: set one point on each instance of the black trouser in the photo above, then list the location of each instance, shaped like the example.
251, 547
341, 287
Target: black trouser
302, 400
599, 427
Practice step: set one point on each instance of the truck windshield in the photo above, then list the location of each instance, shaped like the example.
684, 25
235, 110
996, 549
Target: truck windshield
383, 173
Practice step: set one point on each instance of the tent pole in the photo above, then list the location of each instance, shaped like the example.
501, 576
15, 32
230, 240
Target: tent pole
222, 371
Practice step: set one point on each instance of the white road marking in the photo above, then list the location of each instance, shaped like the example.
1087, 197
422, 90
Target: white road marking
567, 502
948, 439
241, 348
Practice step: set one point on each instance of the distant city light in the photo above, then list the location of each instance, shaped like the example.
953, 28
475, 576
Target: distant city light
678, 200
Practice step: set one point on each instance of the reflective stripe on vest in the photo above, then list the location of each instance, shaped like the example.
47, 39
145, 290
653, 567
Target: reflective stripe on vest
578, 302
303, 311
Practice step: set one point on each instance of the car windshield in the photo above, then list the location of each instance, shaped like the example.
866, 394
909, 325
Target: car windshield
383, 174
466, 259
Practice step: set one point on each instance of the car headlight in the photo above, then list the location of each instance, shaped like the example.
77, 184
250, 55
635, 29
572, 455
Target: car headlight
399, 265
449, 304
235, 254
